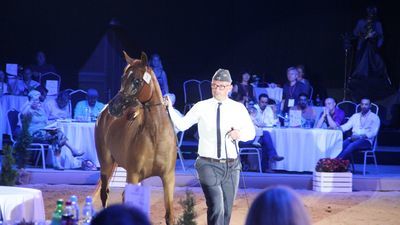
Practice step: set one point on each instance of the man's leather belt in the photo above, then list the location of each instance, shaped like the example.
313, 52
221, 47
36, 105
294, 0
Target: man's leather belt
217, 160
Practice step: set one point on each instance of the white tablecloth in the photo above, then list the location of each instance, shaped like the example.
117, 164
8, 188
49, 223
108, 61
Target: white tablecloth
302, 148
17, 204
81, 136
274, 93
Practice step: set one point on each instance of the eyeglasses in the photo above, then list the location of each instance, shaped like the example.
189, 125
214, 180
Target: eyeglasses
221, 87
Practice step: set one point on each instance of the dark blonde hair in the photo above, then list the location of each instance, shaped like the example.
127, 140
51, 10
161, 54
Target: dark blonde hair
278, 205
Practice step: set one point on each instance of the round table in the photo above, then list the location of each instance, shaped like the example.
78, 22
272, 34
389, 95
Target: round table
17, 204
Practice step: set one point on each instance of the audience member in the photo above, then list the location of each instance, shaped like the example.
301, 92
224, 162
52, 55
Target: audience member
90, 104
41, 67
59, 108
43, 92
243, 91
42, 98
120, 215
156, 64
278, 206
300, 78
24, 86
41, 133
308, 114
4, 86
291, 90
332, 117
264, 116
365, 127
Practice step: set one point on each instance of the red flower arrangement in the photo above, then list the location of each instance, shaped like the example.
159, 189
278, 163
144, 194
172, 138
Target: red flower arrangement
332, 165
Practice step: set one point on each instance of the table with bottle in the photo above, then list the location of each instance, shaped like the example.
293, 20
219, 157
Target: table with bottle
303, 147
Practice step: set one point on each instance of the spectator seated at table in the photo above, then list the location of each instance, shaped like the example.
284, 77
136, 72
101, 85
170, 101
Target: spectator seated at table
42, 133
308, 114
41, 67
4, 85
278, 205
90, 104
264, 115
59, 108
300, 78
365, 127
332, 117
24, 86
243, 91
292, 89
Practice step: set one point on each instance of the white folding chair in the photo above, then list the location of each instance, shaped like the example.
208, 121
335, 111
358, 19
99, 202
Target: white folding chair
75, 97
348, 107
205, 89
370, 153
47, 80
252, 151
13, 120
192, 93
374, 108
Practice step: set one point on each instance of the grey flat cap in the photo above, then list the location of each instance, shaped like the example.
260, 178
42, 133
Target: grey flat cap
222, 75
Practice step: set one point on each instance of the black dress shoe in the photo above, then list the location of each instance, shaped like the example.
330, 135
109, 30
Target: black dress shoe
77, 154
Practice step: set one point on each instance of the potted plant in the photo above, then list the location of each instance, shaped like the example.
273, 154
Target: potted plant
332, 175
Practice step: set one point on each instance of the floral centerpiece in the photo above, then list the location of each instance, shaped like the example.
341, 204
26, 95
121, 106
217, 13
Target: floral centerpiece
331, 175
332, 165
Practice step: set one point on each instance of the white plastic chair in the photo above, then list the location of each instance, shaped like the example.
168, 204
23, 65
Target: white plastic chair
50, 76
13, 116
370, 153
192, 93
75, 97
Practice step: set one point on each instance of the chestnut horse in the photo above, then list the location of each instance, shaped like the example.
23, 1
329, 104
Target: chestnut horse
134, 131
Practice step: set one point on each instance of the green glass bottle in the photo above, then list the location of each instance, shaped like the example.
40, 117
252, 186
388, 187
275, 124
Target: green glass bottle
57, 214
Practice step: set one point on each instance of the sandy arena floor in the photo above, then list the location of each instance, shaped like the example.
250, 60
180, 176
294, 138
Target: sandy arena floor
334, 208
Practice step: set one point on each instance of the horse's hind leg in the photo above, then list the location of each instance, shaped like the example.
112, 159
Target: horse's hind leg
106, 172
169, 184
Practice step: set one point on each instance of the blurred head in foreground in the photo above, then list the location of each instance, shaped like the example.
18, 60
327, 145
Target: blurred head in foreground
278, 206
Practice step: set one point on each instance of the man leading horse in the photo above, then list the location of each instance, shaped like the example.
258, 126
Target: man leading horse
222, 122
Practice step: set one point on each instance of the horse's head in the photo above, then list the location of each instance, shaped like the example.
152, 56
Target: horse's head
138, 85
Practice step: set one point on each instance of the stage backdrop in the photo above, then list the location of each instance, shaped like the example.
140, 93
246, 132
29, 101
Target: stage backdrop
194, 38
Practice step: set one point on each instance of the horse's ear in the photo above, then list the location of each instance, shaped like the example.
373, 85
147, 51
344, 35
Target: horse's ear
143, 58
128, 59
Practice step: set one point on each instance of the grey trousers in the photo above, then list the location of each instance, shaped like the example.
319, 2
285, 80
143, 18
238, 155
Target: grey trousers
220, 184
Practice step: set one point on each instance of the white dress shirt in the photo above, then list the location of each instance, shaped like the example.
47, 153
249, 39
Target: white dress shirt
265, 117
204, 113
367, 125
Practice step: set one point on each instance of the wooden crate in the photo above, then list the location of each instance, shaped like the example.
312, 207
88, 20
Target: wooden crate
333, 182
118, 178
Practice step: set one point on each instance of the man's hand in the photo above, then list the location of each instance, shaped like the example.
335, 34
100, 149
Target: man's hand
167, 101
234, 134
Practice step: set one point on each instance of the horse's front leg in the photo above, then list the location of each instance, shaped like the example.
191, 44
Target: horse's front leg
169, 185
